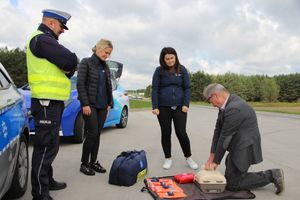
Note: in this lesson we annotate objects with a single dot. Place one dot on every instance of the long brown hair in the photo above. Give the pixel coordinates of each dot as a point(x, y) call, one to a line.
point(169, 50)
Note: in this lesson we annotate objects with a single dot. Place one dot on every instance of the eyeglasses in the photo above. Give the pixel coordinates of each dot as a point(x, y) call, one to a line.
point(210, 97)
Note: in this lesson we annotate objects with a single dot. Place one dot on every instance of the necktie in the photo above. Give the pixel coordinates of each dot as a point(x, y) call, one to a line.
point(221, 117)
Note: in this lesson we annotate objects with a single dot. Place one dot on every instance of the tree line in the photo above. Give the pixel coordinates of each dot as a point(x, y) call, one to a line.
point(259, 88)
point(256, 88)
point(14, 61)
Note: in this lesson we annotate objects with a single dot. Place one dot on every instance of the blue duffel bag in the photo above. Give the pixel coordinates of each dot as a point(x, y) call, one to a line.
point(128, 168)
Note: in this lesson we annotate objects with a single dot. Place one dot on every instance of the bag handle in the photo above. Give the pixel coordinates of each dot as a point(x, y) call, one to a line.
point(128, 153)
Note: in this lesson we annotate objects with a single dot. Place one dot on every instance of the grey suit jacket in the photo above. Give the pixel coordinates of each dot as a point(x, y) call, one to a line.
point(237, 131)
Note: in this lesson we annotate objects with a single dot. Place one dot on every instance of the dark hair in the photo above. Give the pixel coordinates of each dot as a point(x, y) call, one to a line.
point(169, 50)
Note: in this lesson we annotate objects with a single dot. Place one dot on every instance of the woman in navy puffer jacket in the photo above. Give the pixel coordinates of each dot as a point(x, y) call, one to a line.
point(170, 101)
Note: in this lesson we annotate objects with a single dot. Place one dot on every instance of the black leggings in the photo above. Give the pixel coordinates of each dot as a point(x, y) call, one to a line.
point(93, 127)
point(165, 117)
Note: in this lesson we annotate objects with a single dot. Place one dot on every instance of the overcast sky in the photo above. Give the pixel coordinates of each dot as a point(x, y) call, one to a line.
point(215, 36)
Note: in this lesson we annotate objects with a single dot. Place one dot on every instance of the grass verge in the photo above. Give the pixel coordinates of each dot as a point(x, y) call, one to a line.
point(140, 104)
point(278, 107)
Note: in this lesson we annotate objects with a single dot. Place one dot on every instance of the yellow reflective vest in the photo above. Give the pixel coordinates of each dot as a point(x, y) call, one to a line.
point(46, 80)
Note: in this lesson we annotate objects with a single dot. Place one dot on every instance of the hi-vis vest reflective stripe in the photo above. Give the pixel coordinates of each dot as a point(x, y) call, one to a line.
point(46, 80)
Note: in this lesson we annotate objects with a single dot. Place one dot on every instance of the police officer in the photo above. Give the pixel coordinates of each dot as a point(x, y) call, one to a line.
point(50, 66)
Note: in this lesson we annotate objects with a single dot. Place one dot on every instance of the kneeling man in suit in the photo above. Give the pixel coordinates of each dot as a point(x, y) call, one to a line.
point(237, 132)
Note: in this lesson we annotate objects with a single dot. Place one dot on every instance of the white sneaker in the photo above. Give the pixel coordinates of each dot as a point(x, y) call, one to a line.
point(192, 164)
point(167, 164)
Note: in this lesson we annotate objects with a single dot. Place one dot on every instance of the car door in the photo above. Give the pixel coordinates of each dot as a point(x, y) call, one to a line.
point(116, 69)
point(114, 112)
point(11, 120)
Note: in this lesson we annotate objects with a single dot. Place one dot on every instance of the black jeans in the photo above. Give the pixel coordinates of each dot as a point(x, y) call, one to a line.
point(93, 127)
point(45, 145)
point(165, 117)
point(237, 180)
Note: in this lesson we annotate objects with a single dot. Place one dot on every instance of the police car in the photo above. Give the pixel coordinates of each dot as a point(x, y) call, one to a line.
point(72, 124)
point(14, 135)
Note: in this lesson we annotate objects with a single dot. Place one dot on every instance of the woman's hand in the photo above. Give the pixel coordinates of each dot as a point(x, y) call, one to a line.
point(155, 112)
point(185, 109)
point(86, 110)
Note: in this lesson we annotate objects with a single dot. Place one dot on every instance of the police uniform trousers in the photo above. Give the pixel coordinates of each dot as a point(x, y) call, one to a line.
point(239, 180)
point(46, 144)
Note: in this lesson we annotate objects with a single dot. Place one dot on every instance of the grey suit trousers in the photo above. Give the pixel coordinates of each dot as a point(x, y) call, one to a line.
point(238, 180)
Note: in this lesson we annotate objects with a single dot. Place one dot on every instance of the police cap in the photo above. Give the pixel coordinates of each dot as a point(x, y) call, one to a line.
point(61, 16)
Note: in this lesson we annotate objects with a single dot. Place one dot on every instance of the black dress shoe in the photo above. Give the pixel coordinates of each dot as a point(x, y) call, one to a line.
point(48, 198)
point(278, 180)
point(87, 170)
point(97, 167)
point(43, 198)
point(54, 185)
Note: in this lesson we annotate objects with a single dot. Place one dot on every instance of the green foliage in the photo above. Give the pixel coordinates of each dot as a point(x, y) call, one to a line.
point(253, 88)
point(269, 90)
point(250, 88)
point(235, 84)
point(199, 81)
point(289, 87)
point(256, 84)
point(14, 62)
point(140, 90)
point(148, 91)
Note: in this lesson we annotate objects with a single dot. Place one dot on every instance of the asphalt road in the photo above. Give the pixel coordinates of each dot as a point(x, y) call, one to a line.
point(280, 142)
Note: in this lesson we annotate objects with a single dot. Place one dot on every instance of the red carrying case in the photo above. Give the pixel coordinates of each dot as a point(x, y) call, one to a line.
point(184, 178)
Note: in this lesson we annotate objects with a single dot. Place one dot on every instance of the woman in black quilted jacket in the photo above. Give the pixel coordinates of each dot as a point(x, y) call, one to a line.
point(95, 96)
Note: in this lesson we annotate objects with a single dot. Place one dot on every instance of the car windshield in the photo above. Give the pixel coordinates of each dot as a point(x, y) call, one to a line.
point(73, 81)
point(113, 80)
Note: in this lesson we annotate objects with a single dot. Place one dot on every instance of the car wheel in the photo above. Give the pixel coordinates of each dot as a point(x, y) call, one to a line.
point(78, 129)
point(123, 119)
point(20, 179)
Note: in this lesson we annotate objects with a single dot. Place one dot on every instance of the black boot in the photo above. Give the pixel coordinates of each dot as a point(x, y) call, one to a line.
point(278, 180)
point(97, 167)
point(87, 169)
point(55, 185)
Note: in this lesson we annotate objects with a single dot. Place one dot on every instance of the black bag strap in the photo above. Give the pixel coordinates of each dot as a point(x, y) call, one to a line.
point(128, 153)
point(147, 189)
